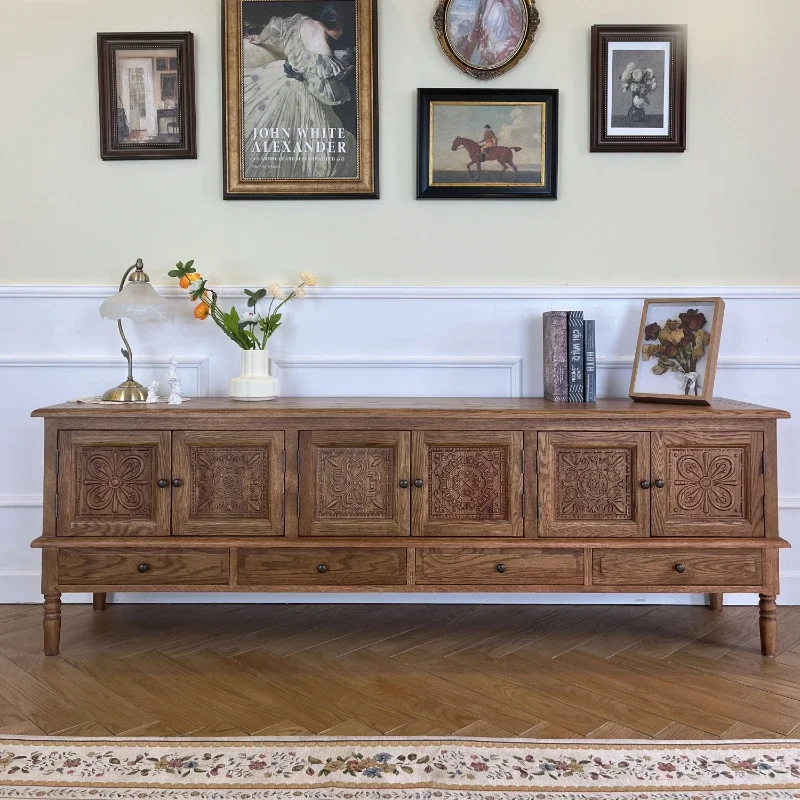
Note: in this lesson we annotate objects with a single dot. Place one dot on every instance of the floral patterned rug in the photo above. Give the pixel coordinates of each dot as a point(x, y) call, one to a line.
point(417, 768)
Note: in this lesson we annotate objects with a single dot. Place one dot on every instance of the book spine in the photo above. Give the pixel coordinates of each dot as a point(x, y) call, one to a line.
point(556, 372)
point(575, 334)
point(590, 360)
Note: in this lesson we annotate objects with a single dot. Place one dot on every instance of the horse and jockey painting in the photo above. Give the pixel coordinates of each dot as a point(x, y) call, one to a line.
point(487, 143)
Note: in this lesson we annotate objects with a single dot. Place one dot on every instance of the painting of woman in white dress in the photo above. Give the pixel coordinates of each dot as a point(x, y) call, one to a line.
point(486, 33)
point(299, 119)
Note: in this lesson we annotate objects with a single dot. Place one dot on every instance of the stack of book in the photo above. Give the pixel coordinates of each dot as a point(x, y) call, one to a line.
point(570, 358)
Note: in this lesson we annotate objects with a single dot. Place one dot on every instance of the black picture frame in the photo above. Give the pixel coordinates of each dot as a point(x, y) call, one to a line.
point(487, 184)
point(237, 184)
point(673, 139)
point(178, 138)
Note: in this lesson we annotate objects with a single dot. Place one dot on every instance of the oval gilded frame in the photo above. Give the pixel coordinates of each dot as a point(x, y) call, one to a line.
point(485, 73)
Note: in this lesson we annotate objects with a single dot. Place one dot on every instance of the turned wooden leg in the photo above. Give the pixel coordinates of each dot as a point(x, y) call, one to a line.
point(715, 601)
point(52, 623)
point(99, 601)
point(768, 624)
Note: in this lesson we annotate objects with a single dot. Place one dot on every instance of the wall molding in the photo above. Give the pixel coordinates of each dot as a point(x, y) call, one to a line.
point(732, 362)
point(200, 366)
point(442, 292)
point(512, 364)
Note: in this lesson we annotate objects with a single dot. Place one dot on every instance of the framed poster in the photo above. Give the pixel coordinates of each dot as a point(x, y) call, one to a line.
point(487, 143)
point(486, 38)
point(146, 95)
point(300, 86)
point(677, 350)
point(638, 92)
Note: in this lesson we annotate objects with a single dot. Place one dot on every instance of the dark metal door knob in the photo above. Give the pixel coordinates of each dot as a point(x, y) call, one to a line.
point(680, 568)
point(322, 569)
point(177, 483)
point(501, 568)
point(418, 483)
point(645, 484)
point(163, 483)
point(659, 484)
point(404, 484)
point(143, 568)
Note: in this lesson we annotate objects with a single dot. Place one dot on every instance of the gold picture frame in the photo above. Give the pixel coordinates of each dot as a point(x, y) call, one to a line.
point(242, 21)
point(463, 46)
point(677, 337)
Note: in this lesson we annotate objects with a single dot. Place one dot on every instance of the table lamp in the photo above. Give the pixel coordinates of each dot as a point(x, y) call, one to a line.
point(138, 301)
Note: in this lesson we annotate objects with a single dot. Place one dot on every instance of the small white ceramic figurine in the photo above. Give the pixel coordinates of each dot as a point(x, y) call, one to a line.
point(174, 382)
point(152, 392)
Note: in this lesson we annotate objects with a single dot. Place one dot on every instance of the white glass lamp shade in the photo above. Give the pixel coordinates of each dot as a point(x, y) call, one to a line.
point(138, 301)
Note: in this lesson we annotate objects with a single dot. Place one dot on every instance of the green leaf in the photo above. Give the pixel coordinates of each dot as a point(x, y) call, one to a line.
point(261, 293)
point(189, 264)
point(174, 273)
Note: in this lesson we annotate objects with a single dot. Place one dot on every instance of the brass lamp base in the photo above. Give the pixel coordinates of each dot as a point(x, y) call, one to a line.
point(127, 392)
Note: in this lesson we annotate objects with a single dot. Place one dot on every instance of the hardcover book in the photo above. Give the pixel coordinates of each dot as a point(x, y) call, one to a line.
point(556, 374)
point(590, 361)
point(575, 339)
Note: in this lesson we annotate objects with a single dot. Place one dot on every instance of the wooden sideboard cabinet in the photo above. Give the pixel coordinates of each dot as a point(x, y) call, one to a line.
point(410, 495)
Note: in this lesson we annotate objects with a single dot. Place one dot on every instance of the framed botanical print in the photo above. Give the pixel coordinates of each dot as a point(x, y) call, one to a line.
point(486, 38)
point(638, 91)
point(300, 84)
point(146, 95)
point(677, 351)
point(487, 143)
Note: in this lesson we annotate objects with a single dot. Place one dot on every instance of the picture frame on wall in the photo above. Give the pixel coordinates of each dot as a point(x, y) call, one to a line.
point(300, 99)
point(487, 143)
point(486, 38)
point(677, 351)
point(638, 88)
point(147, 99)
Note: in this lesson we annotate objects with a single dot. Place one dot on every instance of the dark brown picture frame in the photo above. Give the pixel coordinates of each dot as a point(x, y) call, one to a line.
point(709, 374)
point(111, 148)
point(511, 189)
point(675, 140)
point(236, 186)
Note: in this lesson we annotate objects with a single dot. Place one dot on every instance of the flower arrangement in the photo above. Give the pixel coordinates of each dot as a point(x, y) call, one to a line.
point(640, 83)
point(253, 329)
point(679, 346)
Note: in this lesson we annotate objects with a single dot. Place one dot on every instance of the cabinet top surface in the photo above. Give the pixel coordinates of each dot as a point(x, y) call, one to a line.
point(416, 406)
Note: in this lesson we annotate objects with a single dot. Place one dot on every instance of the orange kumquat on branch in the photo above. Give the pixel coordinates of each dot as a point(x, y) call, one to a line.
point(253, 329)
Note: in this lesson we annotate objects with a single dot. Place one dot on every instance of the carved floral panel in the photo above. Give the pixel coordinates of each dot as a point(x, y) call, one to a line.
point(594, 484)
point(229, 482)
point(355, 482)
point(115, 482)
point(707, 482)
point(469, 483)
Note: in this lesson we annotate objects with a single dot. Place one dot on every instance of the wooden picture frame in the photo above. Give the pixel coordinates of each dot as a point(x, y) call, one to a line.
point(265, 155)
point(136, 123)
point(462, 43)
point(644, 66)
point(449, 159)
point(678, 338)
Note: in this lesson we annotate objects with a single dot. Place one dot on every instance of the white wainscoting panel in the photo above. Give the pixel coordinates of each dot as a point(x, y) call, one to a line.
point(373, 341)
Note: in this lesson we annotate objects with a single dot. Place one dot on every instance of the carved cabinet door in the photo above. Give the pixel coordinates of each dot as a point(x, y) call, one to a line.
point(227, 483)
point(108, 483)
point(594, 484)
point(708, 484)
point(354, 483)
point(467, 483)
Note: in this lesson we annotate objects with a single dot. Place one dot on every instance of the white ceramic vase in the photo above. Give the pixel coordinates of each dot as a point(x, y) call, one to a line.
point(255, 382)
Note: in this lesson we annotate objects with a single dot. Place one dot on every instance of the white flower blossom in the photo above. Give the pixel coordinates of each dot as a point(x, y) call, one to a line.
point(637, 75)
point(636, 88)
point(631, 66)
point(649, 73)
point(196, 286)
point(276, 291)
point(626, 76)
point(653, 85)
point(250, 317)
point(300, 292)
point(638, 102)
point(309, 279)
point(626, 87)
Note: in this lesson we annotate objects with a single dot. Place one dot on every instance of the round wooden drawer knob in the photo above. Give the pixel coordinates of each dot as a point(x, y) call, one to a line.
point(501, 568)
point(163, 483)
point(322, 569)
point(680, 568)
point(660, 484)
point(143, 568)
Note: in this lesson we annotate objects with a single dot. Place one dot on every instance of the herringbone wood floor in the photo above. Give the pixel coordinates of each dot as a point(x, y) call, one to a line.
point(667, 672)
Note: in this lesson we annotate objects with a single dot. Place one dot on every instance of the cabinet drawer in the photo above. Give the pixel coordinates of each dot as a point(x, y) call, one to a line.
point(677, 568)
point(145, 567)
point(499, 566)
point(304, 567)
